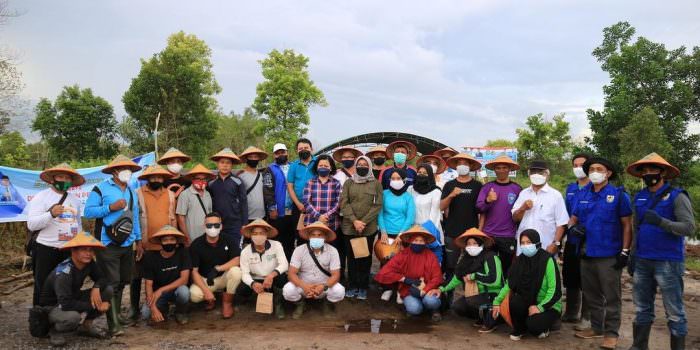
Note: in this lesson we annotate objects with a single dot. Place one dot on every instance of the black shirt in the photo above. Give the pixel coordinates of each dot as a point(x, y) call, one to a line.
point(163, 271)
point(205, 256)
point(463, 213)
point(62, 287)
point(230, 200)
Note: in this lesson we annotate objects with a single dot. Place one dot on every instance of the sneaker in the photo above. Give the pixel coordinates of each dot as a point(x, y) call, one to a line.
point(543, 335)
point(484, 329)
point(351, 293)
point(362, 294)
point(609, 343)
point(478, 324)
point(386, 295)
point(582, 325)
point(588, 334)
point(399, 299)
point(515, 337)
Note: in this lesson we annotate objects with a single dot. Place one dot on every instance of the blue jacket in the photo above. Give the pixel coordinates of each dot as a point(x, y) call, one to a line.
point(601, 213)
point(653, 242)
point(97, 206)
point(279, 182)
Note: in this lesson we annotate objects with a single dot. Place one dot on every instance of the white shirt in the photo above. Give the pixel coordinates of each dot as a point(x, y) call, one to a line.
point(428, 208)
point(328, 258)
point(53, 232)
point(256, 266)
point(548, 212)
point(341, 177)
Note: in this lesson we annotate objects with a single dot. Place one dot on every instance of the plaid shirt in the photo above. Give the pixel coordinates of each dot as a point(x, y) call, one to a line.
point(320, 198)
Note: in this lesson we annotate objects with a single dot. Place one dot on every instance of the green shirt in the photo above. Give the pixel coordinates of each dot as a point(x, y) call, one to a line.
point(488, 280)
point(546, 293)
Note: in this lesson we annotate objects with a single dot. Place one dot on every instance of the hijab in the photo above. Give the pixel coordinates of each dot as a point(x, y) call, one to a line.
point(527, 273)
point(428, 185)
point(468, 264)
point(402, 172)
point(362, 179)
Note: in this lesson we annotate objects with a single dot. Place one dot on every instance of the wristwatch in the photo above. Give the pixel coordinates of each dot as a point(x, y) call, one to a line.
point(325, 287)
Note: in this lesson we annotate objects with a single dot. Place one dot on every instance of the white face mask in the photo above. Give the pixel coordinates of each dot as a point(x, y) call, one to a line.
point(596, 178)
point(175, 168)
point(474, 251)
point(579, 173)
point(212, 232)
point(124, 176)
point(537, 179)
point(396, 184)
point(435, 168)
point(462, 170)
point(258, 239)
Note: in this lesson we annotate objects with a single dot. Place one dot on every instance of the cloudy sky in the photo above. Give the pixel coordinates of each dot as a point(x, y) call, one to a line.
point(461, 72)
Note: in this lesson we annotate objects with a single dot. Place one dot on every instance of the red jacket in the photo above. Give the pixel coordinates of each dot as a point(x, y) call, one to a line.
point(411, 265)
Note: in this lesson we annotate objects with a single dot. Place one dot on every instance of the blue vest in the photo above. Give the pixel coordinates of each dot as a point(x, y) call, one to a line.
point(600, 214)
point(572, 190)
point(653, 242)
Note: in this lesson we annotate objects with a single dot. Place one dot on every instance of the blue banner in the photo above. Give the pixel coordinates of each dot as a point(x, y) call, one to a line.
point(18, 186)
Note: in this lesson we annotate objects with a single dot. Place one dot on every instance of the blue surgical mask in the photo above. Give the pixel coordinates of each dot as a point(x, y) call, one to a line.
point(323, 172)
point(399, 158)
point(529, 250)
point(316, 243)
point(417, 248)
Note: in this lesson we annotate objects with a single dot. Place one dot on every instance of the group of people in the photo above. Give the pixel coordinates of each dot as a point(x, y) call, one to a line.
point(300, 230)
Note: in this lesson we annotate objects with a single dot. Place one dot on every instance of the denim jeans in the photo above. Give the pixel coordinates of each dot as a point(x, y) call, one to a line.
point(414, 306)
point(668, 276)
point(180, 296)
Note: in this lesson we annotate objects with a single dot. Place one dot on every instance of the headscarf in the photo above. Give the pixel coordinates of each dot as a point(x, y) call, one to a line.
point(468, 264)
point(402, 172)
point(429, 186)
point(362, 179)
point(527, 273)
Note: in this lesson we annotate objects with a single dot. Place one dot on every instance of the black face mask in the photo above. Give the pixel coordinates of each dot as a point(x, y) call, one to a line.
point(304, 155)
point(379, 161)
point(169, 247)
point(422, 179)
point(252, 163)
point(651, 179)
point(362, 171)
point(281, 160)
point(348, 163)
point(155, 185)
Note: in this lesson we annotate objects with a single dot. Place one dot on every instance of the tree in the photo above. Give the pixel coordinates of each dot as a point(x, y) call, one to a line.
point(238, 131)
point(13, 150)
point(285, 96)
point(642, 136)
point(178, 83)
point(546, 140)
point(500, 143)
point(646, 74)
point(10, 77)
point(79, 125)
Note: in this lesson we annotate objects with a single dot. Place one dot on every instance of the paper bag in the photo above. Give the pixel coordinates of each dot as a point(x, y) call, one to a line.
point(264, 304)
point(359, 247)
point(470, 288)
point(300, 223)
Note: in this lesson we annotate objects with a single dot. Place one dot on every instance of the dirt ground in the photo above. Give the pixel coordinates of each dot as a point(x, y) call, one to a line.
point(248, 330)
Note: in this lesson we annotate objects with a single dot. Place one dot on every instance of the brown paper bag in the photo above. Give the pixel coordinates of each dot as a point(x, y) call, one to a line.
point(264, 303)
point(470, 288)
point(359, 247)
point(300, 223)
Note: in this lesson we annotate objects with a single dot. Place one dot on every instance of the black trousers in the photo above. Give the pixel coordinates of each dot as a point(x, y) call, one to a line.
point(571, 271)
point(117, 263)
point(287, 228)
point(535, 324)
point(340, 246)
point(505, 249)
point(358, 269)
point(246, 292)
point(44, 260)
point(469, 307)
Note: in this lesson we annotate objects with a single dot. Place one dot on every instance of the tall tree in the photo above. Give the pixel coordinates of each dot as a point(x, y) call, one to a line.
point(178, 83)
point(646, 74)
point(284, 97)
point(13, 150)
point(10, 76)
point(642, 136)
point(544, 139)
point(239, 131)
point(79, 125)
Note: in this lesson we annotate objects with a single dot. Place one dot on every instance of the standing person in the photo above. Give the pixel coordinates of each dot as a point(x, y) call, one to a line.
point(157, 208)
point(53, 218)
point(664, 217)
point(438, 165)
point(360, 203)
point(445, 154)
point(459, 202)
point(534, 289)
point(378, 156)
point(300, 172)
point(277, 201)
point(426, 197)
point(604, 213)
point(228, 195)
point(167, 273)
point(542, 208)
point(253, 180)
point(116, 204)
point(495, 203)
point(194, 203)
point(571, 270)
point(345, 156)
point(173, 160)
point(401, 152)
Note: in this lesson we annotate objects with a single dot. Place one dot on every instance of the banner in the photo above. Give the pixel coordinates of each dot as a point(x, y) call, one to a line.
point(18, 186)
point(484, 154)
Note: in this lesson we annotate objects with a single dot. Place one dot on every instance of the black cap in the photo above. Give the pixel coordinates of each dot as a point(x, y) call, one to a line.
point(538, 164)
point(602, 161)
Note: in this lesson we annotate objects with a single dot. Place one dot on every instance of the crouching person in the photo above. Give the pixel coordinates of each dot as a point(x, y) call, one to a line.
point(215, 266)
point(166, 273)
point(73, 309)
point(314, 271)
point(263, 264)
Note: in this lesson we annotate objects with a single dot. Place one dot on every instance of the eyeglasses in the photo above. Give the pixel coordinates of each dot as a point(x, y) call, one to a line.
point(217, 225)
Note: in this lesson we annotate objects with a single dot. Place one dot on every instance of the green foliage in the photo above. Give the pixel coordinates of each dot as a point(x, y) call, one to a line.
point(178, 83)
point(284, 97)
point(13, 150)
point(500, 143)
point(547, 140)
point(646, 74)
point(239, 131)
point(643, 135)
point(78, 125)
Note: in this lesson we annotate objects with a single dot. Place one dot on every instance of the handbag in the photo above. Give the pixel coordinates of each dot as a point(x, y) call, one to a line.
point(122, 228)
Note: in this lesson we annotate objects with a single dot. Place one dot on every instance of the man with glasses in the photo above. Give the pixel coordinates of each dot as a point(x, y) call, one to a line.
point(194, 203)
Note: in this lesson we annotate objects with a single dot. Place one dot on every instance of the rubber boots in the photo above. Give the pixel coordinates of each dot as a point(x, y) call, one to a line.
point(115, 328)
point(640, 335)
point(573, 305)
point(124, 321)
point(677, 343)
point(227, 305)
point(278, 300)
point(299, 309)
point(134, 298)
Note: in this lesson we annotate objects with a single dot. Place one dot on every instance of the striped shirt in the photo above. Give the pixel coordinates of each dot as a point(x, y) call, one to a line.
point(322, 198)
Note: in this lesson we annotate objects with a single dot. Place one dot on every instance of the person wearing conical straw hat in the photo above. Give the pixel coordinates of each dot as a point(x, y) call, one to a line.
point(480, 265)
point(116, 204)
point(378, 156)
point(447, 153)
point(263, 264)
point(664, 217)
point(346, 156)
point(63, 294)
point(314, 271)
point(228, 195)
point(252, 178)
point(437, 165)
point(167, 273)
point(173, 160)
point(53, 216)
point(194, 203)
point(417, 273)
point(495, 202)
point(401, 152)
